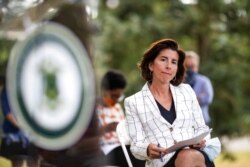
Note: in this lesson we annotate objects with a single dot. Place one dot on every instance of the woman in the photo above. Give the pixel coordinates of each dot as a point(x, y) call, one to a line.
point(110, 113)
point(165, 111)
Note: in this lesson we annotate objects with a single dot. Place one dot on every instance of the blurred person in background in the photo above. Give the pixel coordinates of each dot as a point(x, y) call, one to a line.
point(200, 83)
point(110, 113)
point(14, 145)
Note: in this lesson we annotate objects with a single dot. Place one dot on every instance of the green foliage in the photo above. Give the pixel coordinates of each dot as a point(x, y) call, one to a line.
point(218, 31)
point(5, 48)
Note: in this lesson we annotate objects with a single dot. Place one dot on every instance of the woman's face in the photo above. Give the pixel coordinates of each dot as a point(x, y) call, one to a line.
point(165, 66)
point(111, 97)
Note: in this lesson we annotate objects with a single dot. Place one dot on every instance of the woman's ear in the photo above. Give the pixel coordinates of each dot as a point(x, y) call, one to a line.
point(150, 66)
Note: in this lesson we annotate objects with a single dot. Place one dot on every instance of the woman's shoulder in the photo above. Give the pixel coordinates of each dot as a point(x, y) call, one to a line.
point(138, 94)
point(134, 96)
point(183, 86)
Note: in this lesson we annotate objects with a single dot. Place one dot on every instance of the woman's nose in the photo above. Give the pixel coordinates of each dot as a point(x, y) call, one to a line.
point(168, 65)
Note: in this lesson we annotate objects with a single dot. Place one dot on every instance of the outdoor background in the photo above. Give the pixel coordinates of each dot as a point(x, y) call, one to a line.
point(218, 30)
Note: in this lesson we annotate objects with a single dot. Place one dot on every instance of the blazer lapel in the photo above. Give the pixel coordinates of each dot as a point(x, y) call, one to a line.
point(178, 101)
point(150, 103)
point(174, 95)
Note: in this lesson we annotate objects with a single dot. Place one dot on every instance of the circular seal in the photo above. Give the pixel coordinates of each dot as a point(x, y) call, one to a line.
point(51, 86)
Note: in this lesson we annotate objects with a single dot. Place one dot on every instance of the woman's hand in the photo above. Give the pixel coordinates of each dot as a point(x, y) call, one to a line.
point(155, 152)
point(200, 145)
point(111, 127)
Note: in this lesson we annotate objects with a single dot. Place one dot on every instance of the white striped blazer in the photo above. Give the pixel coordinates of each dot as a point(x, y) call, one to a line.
point(146, 125)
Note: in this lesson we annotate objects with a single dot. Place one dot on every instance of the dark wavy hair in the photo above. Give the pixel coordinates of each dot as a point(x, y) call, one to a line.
point(153, 51)
point(113, 79)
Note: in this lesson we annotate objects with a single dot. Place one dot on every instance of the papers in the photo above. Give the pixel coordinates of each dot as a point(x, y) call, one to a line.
point(188, 142)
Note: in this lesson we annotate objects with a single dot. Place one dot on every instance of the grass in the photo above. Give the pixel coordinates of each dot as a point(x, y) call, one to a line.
point(235, 159)
point(4, 162)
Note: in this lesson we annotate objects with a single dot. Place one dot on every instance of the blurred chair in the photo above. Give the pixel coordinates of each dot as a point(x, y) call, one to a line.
point(124, 139)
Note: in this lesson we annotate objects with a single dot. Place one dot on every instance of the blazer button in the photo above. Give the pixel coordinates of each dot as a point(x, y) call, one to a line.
point(171, 129)
point(175, 142)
